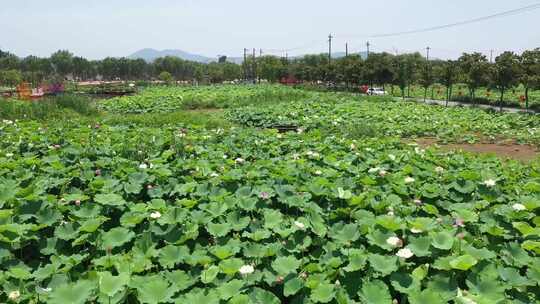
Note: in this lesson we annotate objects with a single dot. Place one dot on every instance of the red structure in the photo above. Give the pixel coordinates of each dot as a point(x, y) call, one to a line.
point(364, 89)
point(289, 80)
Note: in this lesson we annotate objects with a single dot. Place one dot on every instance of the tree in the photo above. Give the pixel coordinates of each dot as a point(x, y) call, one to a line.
point(165, 76)
point(62, 62)
point(505, 73)
point(475, 69)
point(402, 79)
point(10, 78)
point(448, 74)
point(426, 78)
point(530, 72)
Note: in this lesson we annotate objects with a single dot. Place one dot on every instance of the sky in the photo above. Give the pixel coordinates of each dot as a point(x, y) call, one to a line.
point(100, 28)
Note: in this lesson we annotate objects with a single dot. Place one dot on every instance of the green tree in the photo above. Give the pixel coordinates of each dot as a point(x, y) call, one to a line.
point(166, 77)
point(426, 77)
point(530, 72)
point(62, 62)
point(475, 69)
point(448, 74)
point(10, 78)
point(505, 73)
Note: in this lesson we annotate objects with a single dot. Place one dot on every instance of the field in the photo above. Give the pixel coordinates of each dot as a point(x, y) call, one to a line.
point(192, 195)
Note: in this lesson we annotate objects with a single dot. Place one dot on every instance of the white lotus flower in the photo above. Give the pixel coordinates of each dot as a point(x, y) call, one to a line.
point(392, 157)
point(416, 230)
point(318, 172)
point(299, 225)
point(9, 154)
point(214, 174)
point(14, 295)
point(239, 160)
point(461, 296)
point(405, 253)
point(373, 170)
point(519, 207)
point(143, 166)
point(394, 241)
point(353, 146)
point(155, 215)
point(246, 269)
point(490, 182)
point(7, 122)
point(382, 173)
point(439, 170)
point(409, 180)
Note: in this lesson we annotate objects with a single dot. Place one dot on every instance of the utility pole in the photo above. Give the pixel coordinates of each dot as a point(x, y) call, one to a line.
point(245, 64)
point(346, 49)
point(490, 56)
point(367, 45)
point(254, 67)
point(427, 53)
point(330, 48)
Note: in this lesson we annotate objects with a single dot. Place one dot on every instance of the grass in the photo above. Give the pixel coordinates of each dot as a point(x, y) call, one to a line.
point(202, 118)
point(57, 107)
point(83, 110)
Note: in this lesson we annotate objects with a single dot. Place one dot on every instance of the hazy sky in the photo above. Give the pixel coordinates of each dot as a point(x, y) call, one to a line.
point(100, 28)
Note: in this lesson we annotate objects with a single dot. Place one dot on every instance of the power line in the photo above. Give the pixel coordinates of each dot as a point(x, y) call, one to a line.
point(460, 23)
point(428, 29)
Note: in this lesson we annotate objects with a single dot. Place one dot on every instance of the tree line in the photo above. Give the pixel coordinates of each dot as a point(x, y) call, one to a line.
point(472, 69)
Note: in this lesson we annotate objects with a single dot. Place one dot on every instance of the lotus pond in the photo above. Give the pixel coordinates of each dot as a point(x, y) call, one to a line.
point(99, 212)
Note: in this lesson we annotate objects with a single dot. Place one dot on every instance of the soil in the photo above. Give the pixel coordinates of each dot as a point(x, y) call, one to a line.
point(506, 150)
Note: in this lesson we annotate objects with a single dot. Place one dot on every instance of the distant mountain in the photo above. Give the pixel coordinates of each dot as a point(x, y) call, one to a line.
point(150, 55)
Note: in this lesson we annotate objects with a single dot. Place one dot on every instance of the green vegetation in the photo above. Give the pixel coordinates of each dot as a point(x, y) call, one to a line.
point(386, 117)
point(169, 99)
point(182, 206)
point(49, 108)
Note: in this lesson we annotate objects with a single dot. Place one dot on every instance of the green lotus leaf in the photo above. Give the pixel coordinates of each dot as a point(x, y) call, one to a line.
point(209, 274)
point(230, 266)
point(292, 286)
point(218, 230)
point(153, 290)
point(463, 262)
point(323, 293)
point(383, 264)
point(420, 245)
point(443, 240)
point(110, 199)
point(286, 265)
point(74, 293)
point(261, 296)
point(230, 289)
point(116, 237)
point(375, 292)
point(171, 255)
point(110, 284)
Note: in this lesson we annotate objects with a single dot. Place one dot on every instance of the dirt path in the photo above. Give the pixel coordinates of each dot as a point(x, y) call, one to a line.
point(512, 150)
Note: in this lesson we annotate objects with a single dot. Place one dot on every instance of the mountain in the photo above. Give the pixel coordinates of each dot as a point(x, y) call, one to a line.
point(152, 54)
